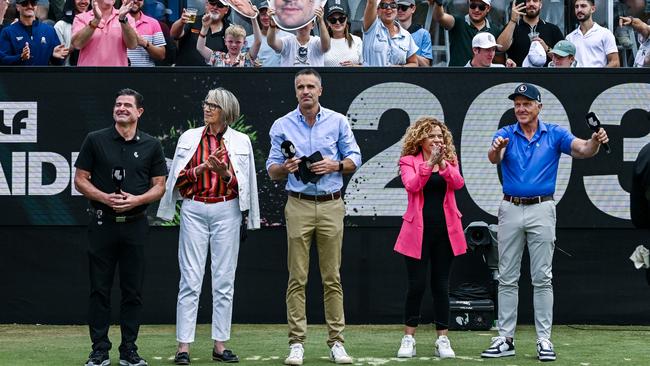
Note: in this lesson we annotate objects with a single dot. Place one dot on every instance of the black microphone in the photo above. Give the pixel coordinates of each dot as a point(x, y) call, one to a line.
point(594, 124)
point(118, 178)
point(289, 151)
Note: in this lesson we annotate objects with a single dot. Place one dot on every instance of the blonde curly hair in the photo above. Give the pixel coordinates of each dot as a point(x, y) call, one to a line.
point(420, 130)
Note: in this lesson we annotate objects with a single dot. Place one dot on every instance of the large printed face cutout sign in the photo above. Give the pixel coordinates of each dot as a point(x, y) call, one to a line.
point(294, 14)
point(243, 7)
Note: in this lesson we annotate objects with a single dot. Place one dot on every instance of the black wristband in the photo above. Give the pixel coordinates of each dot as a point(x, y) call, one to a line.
point(340, 166)
point(122, 20)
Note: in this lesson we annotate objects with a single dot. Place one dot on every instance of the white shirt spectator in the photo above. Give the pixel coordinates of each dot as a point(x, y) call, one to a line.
point(380, 49)
point(64, 31)
point(642, 58)
point(592, 48)
point(295, 54)
point(340, 51)
point(266, 55)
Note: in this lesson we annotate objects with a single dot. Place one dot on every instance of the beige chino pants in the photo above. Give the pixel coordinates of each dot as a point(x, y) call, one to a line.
point(324, 221)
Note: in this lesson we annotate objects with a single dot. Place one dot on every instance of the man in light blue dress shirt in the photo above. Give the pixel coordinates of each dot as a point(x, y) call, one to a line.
point(314, 209)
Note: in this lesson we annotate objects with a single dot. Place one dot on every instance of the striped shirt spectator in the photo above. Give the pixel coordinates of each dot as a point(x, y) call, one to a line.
point(208, 184)
point(151, 41)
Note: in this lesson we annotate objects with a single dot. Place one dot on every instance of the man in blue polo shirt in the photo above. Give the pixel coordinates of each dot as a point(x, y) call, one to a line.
point(529, 167)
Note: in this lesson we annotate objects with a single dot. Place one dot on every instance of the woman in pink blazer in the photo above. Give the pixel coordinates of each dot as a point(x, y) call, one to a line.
point(431, 230)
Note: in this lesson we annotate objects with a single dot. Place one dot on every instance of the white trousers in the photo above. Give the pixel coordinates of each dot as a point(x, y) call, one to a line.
point(212, 227)
point(520, 226)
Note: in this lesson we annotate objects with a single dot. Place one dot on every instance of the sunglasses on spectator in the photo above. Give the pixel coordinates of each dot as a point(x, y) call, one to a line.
point(403, 7)
point(210, 106)
point(218, 4)
point(480, 7)
point(386, 6)
point(334, 20)
point(25, 2)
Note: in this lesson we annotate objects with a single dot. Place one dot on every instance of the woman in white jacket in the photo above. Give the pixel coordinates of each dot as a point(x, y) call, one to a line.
point(213, 172)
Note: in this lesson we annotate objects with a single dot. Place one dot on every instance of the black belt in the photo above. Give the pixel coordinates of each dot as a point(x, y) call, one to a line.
point(105, 214)
point(526, 200)
point(324, 197)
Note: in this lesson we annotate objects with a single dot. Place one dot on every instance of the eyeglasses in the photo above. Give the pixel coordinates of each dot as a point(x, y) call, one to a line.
point(480, 7)
point(210, 106)
point(25, 2)
point(386, 6)
point(334, 20)
point(403, 7)
point(218, 4)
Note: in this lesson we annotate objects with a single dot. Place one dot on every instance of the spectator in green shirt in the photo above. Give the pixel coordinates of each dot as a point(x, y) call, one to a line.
point(463, 28)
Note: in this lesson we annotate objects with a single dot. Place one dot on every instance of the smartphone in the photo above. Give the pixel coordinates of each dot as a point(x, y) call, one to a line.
point(517, 2)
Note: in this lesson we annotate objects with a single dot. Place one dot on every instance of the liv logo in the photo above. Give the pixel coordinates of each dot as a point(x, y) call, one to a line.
point(18, 122)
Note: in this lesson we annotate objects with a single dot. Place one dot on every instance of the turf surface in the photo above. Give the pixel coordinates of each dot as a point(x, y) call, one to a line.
point(375, 345)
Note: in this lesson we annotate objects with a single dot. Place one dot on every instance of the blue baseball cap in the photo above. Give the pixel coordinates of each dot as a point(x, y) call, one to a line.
point(526, 90)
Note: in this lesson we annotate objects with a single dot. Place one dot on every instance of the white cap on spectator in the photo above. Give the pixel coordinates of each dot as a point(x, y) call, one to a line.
point(488, 2)
point(484, 40)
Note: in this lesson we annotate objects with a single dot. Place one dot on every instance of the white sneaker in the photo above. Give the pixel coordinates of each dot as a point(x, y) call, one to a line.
point(545, 350)
point(500, 347)
point(407, 348)
point(296, 353)
point(443, 348)
point(338, 354)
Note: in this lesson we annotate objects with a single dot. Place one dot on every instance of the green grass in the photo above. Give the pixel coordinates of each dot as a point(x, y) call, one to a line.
point(375, 345)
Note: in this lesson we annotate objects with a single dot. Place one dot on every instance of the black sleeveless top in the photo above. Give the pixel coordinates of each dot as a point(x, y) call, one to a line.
point(434, 195)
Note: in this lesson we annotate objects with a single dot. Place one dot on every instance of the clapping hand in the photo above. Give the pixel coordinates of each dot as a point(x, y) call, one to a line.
point(96, 12)
point(437, 155)
point(60, 52)
point(124, 9)
point(25, 54)
point(216, 162)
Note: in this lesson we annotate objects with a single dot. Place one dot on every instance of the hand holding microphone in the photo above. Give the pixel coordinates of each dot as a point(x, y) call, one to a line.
point(289, 152)
point(594, 124)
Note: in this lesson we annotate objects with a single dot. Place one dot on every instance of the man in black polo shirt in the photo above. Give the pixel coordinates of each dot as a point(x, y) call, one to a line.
point(462, 29)
point(520, 31)
point(118, 227)
point(188, 33)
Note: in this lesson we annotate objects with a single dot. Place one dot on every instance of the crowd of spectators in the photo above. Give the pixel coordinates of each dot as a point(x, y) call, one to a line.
point(126, 33)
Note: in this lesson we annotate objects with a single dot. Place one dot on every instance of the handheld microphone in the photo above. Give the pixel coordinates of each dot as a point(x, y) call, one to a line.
point(594, 124)
point(289, 151)
point(118, 178)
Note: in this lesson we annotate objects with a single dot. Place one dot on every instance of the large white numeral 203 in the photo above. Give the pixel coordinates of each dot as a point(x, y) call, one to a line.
point(366, 193)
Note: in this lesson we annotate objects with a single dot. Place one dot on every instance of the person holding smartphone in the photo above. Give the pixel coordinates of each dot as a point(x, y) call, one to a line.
point(525, 27)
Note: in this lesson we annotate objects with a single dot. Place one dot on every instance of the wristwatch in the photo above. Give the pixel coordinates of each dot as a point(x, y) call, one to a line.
point(340, 166)
point(122, 20)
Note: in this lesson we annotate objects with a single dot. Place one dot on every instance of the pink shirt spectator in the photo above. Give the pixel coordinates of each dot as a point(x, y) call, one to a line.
point(106, 46)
